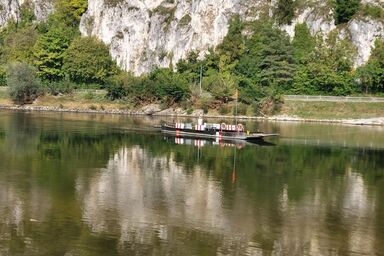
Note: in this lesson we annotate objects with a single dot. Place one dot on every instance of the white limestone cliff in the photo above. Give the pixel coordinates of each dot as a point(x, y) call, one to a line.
point(10, 9)
point(143, 34)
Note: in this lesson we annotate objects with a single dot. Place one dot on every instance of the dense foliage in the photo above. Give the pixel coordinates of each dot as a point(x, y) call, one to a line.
point(285, 11)
point(49, 53)
point(345, 9)
point(256, 62)
point(24, 86)
point(160, 85)
point(87, 60)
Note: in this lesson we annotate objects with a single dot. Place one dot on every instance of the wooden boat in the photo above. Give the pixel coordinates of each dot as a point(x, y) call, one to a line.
point(216, 131)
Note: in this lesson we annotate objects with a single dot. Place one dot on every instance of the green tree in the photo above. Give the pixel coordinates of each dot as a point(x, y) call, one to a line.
point(49, 52)
point(345, 9)
point(24, 86)
point(285, 11)
point(371, 75)
point(328, 70)
point(269, 60)
point(169, 87)
point(18, 46)
point(69, 12)
point(87, 60)
point(233, 45)
point(303, 43)
point(222, 85)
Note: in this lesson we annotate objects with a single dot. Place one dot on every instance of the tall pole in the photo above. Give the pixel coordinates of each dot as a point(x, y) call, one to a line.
point(201, 78)
point(237, 96)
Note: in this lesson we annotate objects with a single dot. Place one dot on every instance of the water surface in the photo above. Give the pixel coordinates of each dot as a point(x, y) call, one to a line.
point(74, 184)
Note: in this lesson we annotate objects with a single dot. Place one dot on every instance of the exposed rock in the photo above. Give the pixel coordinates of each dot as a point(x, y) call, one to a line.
point(143, 34)
point(10, 9)
point(151, 109)
point(42, 8)
point(363, 34)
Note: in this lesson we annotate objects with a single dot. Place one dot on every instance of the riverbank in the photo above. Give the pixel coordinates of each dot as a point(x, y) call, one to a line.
point(378, 121)
point(94, 102)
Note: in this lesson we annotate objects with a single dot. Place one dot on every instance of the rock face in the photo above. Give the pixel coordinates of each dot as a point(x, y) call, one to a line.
point(10, 9)
point(143, 34)
point(147, 33)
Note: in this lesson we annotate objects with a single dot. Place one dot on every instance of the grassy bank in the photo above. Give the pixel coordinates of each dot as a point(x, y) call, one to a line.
point(96, 100)
point(333, 110)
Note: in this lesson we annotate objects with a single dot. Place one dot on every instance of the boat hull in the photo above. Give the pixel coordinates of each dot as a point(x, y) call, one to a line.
point(225, 135)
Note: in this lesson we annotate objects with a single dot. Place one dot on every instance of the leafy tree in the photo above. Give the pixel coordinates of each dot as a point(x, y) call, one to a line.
point(371, 75)
point(190, 67)
point(49, 52)
point(345, 9)
point(169, 87)
point(18, 46)
point(233, 45)
point(160, 85)
point(222, 85)
point(285, 11)
point(87, 60)
point(328, 69)
point(269, 60)
point(319, 78)
point(69, 12)
point(303, 43)
point(24, 86)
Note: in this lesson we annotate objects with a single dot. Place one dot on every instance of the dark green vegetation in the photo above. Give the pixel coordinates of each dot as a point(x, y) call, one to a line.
point(285, 11)
point(256, 61)
point(345, 9)
point(98, 190)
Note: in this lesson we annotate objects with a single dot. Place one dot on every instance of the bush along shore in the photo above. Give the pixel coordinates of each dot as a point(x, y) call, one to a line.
point(94, 102)
point(54, 68)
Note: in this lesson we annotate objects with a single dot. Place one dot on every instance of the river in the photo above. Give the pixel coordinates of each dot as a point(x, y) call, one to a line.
point(78, 184)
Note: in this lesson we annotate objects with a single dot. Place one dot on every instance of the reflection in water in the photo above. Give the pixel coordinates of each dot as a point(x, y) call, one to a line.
point(77, 187)
point(154, 196)
point(151, 198)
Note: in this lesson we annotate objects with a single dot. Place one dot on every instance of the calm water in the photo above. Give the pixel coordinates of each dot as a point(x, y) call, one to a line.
point(86, 185)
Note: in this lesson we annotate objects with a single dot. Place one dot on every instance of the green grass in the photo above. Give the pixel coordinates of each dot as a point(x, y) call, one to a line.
point(333, 110)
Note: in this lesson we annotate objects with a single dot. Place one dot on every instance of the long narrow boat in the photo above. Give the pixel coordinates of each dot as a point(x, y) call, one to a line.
point(216, 131)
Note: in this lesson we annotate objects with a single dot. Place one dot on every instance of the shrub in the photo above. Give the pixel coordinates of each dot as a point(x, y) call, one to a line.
point(60, 87)
point(24, 86)
point(225, 109)
point(118, 86)
point(241, 109)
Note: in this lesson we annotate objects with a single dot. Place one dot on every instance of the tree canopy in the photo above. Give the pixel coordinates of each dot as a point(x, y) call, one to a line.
point(87, 60)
